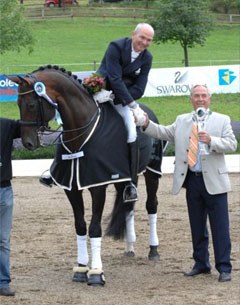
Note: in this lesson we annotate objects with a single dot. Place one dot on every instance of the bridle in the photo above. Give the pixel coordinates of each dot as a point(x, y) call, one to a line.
point(42, 125)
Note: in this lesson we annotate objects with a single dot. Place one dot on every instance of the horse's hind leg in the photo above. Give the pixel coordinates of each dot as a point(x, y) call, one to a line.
point(80, 271)
point(130, 235)
point(152, 183)
point(129, 232)
point(121, 224)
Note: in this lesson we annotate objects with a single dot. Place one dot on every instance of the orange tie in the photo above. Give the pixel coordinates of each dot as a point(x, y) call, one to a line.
point(193, 146)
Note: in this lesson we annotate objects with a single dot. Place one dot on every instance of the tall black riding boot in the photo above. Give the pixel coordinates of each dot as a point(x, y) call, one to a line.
point(130, 191)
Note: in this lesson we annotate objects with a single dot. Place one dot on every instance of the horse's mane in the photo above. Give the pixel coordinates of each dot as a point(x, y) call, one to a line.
point(61, 70)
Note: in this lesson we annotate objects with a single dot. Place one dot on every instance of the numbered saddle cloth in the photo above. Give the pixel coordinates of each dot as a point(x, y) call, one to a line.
point(103, 159)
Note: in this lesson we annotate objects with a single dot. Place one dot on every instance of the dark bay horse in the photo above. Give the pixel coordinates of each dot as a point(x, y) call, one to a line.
point(92, 153)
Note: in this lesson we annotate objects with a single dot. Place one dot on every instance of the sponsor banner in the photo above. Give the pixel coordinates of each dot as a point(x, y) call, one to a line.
point(8, 90)
point(164, 82)
point(179, 81)
point(83, 74)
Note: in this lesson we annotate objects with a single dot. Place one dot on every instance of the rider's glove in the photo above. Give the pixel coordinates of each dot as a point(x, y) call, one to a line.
point(103, 96)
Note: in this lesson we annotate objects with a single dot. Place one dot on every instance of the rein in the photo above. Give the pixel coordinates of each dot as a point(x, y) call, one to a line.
point(26, 92)
point(80, 128)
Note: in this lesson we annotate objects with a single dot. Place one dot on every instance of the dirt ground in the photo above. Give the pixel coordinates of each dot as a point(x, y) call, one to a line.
point(44, 253)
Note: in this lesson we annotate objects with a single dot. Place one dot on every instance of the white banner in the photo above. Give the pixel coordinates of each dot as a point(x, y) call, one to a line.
point(178, 81)
point(165, 81)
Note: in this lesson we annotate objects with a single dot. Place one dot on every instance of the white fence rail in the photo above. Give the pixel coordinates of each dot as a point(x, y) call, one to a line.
point(42, 12)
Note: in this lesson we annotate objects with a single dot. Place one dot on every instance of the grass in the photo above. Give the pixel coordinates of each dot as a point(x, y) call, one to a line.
point(78, 44)
point(165, 108)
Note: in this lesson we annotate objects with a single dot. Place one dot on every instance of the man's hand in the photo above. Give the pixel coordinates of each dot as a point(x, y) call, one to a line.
point(103, 96)
point(139, 115)
point(204, 137)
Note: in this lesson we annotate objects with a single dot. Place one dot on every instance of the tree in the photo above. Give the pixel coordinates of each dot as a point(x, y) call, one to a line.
point(223, 6)
point(15, 30)
point(184, 21)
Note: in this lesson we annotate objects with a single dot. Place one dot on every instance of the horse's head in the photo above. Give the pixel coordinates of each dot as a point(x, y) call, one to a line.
point(35, 110)
point(47, 89)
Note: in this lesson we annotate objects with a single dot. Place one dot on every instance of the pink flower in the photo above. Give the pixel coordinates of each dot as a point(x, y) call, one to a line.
point(94, 83)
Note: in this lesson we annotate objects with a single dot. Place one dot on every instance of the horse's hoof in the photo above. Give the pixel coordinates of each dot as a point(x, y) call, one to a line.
point(129, 253)
point(153, 254)
point(155, 258)
point(80, 277)
point(80, 274)
point(95, 278)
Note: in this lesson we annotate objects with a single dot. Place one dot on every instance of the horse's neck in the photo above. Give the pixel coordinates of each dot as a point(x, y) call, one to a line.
point(78, 118)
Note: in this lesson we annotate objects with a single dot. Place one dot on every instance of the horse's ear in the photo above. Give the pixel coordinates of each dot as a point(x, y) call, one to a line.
point(27, 78)
point(18, 79)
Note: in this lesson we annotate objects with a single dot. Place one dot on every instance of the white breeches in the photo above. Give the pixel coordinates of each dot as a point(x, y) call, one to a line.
point(128, 119)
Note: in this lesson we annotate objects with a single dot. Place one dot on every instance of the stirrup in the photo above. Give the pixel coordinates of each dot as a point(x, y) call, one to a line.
point(130, 193)
point(46, 179)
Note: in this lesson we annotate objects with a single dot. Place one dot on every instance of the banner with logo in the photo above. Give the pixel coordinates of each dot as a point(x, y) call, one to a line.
point(165, 81)
point(8, 90)
point(178, 81)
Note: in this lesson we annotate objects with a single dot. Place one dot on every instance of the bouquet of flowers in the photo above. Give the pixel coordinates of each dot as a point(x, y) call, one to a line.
point(94, 83)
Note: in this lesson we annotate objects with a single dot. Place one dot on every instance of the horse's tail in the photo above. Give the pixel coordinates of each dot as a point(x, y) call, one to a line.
point(117, 224)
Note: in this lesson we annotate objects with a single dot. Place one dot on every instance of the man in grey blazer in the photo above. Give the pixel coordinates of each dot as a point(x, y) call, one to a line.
point(206, 183)
point(125, 67)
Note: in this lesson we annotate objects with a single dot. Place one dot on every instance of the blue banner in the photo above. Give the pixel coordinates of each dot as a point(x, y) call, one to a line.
point(8, 90)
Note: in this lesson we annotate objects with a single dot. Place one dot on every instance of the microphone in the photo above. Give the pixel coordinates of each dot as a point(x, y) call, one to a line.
point(200, 112)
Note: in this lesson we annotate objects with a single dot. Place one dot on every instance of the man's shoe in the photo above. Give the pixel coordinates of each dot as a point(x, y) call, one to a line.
point(196, 271)
point(46, 181)
point(130, 193)
point(224, 277)
point(7, 291)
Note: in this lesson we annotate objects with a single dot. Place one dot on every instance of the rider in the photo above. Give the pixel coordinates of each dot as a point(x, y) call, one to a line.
point(125, 67)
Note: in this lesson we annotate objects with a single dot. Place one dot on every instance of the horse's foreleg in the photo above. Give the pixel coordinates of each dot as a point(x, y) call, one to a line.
point(80, 271)
point(152, 183)
point(95, 274)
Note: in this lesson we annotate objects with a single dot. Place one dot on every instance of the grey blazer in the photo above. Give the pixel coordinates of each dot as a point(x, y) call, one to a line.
point(215, 173)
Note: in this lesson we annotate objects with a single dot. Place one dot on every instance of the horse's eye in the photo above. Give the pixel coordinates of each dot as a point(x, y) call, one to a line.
point(31, 106)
